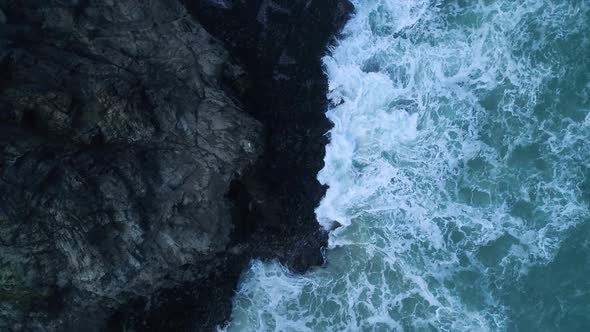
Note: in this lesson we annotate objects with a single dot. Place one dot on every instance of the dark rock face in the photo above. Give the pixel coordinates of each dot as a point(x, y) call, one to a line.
point(280, 43)
point(142, 165)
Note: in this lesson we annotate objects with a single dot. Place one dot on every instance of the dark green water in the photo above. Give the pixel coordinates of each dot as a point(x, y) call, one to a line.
point(459, 165)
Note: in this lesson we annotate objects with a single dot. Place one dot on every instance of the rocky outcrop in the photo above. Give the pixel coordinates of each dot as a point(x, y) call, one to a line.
point(142, 164)
point(280, 43)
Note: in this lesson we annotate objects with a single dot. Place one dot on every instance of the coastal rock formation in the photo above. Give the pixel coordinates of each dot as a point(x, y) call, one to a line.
point(280, 43)
point(143, 163)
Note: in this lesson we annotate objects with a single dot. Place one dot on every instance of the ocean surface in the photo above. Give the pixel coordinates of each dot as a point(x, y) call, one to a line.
point(459, 169)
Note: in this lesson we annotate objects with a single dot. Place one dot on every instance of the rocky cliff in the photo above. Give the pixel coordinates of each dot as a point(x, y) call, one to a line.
point(149, 150)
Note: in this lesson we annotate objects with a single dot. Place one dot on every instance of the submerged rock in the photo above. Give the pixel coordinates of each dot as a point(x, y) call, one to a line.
point(142, 165)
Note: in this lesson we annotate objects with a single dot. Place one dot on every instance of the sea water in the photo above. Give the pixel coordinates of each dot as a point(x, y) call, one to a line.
point(459, 169)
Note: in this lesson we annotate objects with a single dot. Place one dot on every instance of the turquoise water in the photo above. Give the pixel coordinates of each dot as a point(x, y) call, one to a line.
point(459, 167)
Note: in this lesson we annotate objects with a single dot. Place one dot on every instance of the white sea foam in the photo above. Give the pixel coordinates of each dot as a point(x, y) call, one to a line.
point(447, 176)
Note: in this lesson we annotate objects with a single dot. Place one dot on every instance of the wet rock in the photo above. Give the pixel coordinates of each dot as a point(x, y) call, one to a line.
point(281, 44)
point(148, 152)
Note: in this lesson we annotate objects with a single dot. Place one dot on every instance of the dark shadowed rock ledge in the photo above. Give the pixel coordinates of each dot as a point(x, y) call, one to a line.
point(149, 149)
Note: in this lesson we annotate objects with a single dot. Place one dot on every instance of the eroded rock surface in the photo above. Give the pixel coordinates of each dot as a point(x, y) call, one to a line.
point(118, 145)
point(143, 163)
